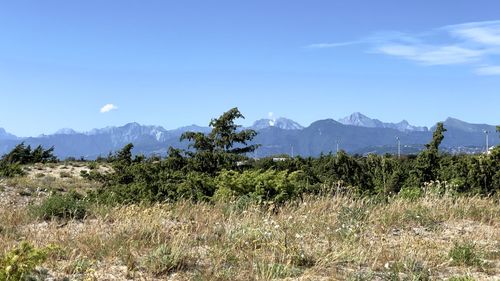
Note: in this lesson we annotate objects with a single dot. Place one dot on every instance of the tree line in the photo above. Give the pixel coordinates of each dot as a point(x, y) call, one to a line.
point(216, 166)
point(21, 154)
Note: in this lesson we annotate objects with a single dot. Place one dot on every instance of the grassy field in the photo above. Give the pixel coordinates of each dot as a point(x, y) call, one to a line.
point(319, 238)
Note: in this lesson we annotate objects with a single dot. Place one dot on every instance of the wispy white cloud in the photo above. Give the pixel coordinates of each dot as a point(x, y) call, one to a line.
point(432, 55)
point(333, 45)
point(108, 107)
point(488, 70)
point(474, 44)
point(487, 33)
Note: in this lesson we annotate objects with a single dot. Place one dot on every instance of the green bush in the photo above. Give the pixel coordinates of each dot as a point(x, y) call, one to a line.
point(411, 193)
point(10, 170)
point(71, 205)
point(270, 185)
point(21, 262)
point(64, 174)
point(465, 253)
point(92, 165)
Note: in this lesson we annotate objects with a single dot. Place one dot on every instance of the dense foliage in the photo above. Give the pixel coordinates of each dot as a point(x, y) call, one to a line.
point(213, 169)
point(216, 167)
point(21, 155)
point(61, 206)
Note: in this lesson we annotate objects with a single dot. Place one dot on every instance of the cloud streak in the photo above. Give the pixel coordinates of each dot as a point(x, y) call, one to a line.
point(474, 44)
point(108, 107)
point(432, 55)
point(488, 70)
point(485, 33)
point(333, 45)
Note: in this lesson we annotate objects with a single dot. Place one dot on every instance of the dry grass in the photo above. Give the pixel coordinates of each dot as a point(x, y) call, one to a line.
point(328, 238)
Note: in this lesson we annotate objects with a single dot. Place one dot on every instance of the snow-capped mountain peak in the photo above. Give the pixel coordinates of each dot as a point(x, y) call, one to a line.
point(282, 123)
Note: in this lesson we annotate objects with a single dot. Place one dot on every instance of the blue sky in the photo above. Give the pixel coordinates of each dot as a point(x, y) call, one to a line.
point(174, 63)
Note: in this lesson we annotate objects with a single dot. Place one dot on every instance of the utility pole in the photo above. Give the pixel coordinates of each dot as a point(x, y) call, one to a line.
point(486, 132)
point(338, 141)
point(292, 150)
point(399, 147)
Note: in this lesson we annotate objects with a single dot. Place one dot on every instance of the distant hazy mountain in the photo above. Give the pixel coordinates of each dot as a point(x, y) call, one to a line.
point(65, 131)
point(6, 136)
point(360, 120)
point(132, 132)
point(281, 123)
point(467, 127)
point(360, 135)
point(191, 128)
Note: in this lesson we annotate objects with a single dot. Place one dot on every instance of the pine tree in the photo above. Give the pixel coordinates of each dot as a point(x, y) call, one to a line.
point(222, 146)
point(427, 162)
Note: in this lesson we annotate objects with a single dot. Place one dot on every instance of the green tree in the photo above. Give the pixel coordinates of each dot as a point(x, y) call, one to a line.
point(223, 146)
point(437, 138)
point(22, 154)
point(122, 164)
point(427, 163)
point(224, 135)
point(124, 156)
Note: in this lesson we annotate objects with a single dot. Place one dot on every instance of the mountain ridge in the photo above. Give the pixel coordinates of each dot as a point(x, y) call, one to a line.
point(361, 120)
point(4, 135)
point(281, 122)
point(284, 136)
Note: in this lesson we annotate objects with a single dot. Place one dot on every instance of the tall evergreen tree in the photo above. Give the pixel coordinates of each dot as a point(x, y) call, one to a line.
point(223, 145)
point(224, 136)
point(427, 162)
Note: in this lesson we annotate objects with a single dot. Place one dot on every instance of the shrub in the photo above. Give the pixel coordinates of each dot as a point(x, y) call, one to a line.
point(93, 175)
point(64, 174)
point(411, 269)
point(270, 185)
point(164, 260)
point(71, 205)
point(10, 170)
point(92, 165)
point(411, 193)
point(21, 262)
point(465, 253)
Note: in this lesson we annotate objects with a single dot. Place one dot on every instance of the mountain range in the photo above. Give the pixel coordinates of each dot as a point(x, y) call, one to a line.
point(356, 133)
point(358, 119)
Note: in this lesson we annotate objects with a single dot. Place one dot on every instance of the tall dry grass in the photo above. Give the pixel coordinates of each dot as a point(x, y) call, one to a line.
point(320, 238)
